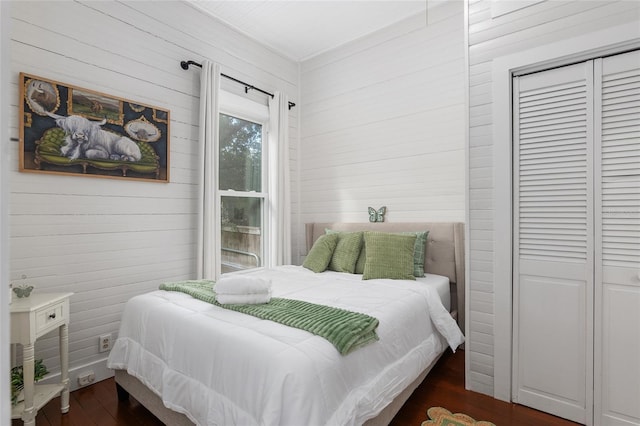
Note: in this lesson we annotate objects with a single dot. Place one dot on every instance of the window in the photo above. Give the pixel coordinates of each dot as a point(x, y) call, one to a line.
point(243, 191)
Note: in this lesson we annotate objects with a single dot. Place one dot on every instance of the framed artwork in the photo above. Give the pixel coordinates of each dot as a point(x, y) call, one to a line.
point(70, 130)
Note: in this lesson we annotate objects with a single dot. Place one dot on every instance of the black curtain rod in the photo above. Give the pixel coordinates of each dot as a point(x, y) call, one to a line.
point(185, 66)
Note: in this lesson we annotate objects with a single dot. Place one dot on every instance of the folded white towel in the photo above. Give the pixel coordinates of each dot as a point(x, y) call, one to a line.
point(243, 299)
point(242, 284)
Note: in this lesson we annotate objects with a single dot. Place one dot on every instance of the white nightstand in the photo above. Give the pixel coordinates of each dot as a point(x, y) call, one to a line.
point(31, 318)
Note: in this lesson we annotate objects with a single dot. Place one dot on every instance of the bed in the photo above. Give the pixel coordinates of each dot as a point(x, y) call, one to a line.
point(189, 362)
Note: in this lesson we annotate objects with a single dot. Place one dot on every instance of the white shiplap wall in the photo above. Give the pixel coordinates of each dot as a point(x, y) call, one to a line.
point(492, 35)
point(382, 123)
point(5, 297)
point(107, 239)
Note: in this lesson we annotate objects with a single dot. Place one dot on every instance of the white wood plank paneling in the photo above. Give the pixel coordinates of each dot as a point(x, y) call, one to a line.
point(107, 240)
point(490, 39)
point(5, 296)
point(383, 123)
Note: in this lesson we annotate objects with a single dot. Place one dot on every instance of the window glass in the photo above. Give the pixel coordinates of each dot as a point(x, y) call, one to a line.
point(241, 233)
point(240, 154)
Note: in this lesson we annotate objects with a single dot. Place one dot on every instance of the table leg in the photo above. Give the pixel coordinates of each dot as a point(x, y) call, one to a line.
point(64, 368)
point(28, 365)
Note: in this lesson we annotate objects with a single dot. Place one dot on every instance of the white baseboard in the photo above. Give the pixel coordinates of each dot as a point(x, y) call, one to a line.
point(98, 367)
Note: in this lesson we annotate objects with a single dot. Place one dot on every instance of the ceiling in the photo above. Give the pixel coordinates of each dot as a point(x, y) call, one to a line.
point(301, 29)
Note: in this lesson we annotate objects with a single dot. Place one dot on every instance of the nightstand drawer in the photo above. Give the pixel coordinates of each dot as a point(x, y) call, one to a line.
point(50, 317)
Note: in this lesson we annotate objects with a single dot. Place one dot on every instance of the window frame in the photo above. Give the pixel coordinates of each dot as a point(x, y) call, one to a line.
point(248, 110)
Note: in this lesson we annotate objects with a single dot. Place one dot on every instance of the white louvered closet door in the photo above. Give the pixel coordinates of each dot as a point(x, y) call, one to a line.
point(577, 241)
point(617, 277)
point(553, 241)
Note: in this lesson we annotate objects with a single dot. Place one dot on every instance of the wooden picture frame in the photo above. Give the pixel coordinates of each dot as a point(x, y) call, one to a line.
point(65, 129)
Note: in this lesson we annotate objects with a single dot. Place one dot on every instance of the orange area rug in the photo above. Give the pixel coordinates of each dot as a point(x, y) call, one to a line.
point(442, 417)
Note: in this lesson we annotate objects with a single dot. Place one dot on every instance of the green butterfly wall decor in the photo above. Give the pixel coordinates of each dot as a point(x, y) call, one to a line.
point(23, 291)
point(377, 215)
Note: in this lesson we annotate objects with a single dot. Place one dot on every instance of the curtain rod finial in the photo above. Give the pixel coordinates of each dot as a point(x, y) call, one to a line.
point(186, 64)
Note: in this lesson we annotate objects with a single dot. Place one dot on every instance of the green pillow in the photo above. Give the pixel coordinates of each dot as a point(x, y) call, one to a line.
point(347, 251)
point(320, 254)
point(389, 256)
point(418, 251)
point(362, 260)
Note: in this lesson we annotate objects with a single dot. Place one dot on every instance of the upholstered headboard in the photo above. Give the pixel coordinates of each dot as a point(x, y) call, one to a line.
point(444, 254)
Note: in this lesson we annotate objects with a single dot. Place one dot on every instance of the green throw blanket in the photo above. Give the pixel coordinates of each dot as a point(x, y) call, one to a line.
point(346, 330)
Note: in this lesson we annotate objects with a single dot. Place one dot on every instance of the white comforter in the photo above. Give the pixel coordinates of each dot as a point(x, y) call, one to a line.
point(221, 367)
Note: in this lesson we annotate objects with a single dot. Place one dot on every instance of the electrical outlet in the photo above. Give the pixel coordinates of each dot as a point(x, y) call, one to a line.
point(86, 378)
point(105, 342)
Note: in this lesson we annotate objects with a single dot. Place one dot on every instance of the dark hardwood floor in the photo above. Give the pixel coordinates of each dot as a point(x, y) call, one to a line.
point(444, 387)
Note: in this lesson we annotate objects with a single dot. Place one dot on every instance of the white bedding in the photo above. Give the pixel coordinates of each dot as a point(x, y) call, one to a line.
point(442, 286)
point(221, 367)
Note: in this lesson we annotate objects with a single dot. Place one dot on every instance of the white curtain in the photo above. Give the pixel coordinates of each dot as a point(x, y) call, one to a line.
point(280, 228)
point(208, 220)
